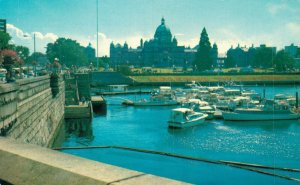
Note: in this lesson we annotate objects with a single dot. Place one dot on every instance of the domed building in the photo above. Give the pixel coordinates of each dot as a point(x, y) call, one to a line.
point(161, 51)
point(163, 33)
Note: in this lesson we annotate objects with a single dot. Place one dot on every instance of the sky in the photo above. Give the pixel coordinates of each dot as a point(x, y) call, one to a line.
point(228, 22)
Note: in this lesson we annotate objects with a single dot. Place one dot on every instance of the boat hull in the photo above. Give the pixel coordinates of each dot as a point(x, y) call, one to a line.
point(149, 103)
point(233, 116)
point(190, 123)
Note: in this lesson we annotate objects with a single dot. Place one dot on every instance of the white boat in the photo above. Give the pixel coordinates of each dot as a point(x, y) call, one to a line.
point(158, 100)
point(269, 111)
point(209, 110)
point(164, 96)
point(184, 117)
point(194, 103)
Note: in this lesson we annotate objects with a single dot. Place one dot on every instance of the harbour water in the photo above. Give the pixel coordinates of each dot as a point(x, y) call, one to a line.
point(273, 143)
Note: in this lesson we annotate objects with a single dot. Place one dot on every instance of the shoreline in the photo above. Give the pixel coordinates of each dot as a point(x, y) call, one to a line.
point(215, 80)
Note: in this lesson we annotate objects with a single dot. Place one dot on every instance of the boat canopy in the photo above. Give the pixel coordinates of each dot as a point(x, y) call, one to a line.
point(197, 101)
point(182, 110)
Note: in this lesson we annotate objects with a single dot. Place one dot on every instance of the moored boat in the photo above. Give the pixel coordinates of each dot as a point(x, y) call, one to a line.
point(154, 101)
point(271, 110)
point(184, 117)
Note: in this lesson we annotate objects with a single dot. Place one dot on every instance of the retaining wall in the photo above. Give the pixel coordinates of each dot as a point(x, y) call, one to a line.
point(26, 164)
point(29, 112)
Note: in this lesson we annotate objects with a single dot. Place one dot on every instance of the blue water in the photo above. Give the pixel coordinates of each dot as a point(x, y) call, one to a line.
point(269, 143)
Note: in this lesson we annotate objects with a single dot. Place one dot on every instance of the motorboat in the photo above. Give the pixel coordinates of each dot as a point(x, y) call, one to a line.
point(194, 103)
point(164, 96)
point(209, 110)
point(157, 100)
point(271, 110)
point(184, 117)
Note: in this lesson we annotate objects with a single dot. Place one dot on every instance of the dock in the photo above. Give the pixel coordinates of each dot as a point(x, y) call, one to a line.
point(99, 104)
point(123, 93)
point(83, 110)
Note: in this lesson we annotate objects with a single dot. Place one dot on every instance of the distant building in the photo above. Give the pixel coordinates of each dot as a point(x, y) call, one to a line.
point(161, 51)
point(291, 50)
point(3, 25)
point(297, 63)
point(243, 56)
point(90, 52)
point(273, 49)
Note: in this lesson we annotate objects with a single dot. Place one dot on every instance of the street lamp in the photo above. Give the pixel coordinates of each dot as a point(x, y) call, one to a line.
point(34, 55)
point(97, 39)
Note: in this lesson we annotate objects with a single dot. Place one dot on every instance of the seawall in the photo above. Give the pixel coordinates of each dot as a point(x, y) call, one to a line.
point(32, 110)
point(28, 164)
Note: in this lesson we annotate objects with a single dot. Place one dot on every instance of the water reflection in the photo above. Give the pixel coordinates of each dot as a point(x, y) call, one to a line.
point(266, 125)
point(186, 131)
point(80, 128)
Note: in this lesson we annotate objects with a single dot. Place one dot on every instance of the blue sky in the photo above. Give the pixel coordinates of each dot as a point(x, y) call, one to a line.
point(228, 22)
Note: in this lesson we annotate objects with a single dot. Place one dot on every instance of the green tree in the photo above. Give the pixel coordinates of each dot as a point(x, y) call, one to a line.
point(124, 69)
point(4, 40)
point(35, 56)
point(203, 60)
point(283, 61)
point(23, 52)
point(9, 58)
point(298, 52)
point(263, 57)
point(68, 51)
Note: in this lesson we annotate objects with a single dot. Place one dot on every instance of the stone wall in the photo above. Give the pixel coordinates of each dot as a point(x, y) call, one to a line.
point(26, 164)
point(71, 91)
point(29, 112)
point(83, 84)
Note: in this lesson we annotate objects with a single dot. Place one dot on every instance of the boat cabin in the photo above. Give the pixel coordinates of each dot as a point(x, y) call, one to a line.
point(118, 88)
point(180, 114)
point(232, 92)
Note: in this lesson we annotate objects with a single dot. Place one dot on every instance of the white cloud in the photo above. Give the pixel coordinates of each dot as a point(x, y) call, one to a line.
point(189, 42)
point(179, 34)
point(51, 36)
point(105, 41)
point(283, 7)
point(47, 36)
point(294, 29)
point(21, 37)
point(15, 31)
point(276, 8)
point(282, 36)
point(19, 33)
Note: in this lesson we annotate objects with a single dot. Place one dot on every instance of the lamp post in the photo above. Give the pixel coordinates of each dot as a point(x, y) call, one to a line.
point(97, 39)
point(34, 55)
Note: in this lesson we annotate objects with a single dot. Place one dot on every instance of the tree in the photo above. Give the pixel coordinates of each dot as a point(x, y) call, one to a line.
point(4, 40)
point(203, 60)
point(23, 52)
point(35, 57)
point(298, 52)
point(283, 61)
point(68, 51)
point(9, 59)
point(124, 69)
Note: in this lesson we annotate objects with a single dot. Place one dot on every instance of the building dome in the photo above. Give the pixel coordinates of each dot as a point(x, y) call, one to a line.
point(162, 32)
